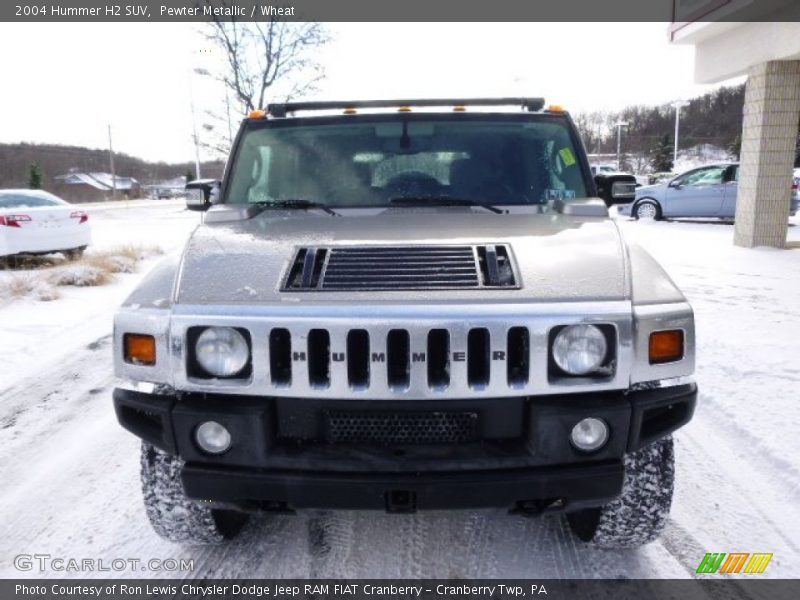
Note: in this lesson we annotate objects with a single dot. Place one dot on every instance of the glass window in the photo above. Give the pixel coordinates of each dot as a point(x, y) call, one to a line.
point(363, 163)
point(28, 200)
point(705, 176)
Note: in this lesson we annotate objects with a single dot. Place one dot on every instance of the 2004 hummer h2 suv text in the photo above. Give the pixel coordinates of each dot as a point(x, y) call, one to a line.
point(405, 306)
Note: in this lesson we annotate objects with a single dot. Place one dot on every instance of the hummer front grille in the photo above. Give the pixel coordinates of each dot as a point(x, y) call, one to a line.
point(415, 351)
point(392, 354)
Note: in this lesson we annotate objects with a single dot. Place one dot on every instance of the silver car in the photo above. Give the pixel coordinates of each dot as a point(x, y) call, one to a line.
point(708, 191)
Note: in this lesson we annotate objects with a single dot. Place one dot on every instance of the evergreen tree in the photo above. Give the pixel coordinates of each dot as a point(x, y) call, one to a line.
point(661, 155)
point(189, 175)
point(735, 147)
point(34, 177)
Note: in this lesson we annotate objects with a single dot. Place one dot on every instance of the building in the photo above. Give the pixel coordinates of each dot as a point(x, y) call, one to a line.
point(762, 41)
point(169, 188)
point(76, 186)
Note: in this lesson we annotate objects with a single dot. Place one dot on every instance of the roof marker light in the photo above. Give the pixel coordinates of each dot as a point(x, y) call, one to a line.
point(257, 114)
point(459, 108)
point(350, 110)
point(555, 108)
point(404, 109)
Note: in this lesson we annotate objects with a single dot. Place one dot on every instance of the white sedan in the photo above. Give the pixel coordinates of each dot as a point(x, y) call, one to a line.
point(36, 222)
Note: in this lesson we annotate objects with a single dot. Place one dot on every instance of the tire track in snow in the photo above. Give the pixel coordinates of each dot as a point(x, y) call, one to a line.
point(330, 539)
point(727, 508)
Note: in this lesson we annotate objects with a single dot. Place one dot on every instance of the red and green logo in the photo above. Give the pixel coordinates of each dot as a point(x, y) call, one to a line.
point(734, 562)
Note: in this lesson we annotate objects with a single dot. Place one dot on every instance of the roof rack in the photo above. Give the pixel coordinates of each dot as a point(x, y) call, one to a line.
point(281, 109)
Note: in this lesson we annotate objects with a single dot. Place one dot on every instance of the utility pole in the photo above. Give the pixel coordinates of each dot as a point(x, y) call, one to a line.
point(111, 161)
point(619, 127)
point(194, 129)
point(228, 113)
point(677, 106)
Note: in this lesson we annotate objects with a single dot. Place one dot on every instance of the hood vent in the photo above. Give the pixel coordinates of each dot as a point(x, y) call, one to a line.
point(306, 269)
point(401, 268)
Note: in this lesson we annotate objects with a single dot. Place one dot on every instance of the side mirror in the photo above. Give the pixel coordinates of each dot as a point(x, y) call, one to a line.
point(675, 184)
point(615, 188)
point(201, 193)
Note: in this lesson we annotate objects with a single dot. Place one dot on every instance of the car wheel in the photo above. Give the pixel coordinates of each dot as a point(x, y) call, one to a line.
point(647, 209)
point(74, 253)
point(173, 515)
point(640, 513)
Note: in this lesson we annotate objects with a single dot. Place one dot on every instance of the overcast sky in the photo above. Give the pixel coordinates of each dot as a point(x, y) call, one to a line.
point(64, 83)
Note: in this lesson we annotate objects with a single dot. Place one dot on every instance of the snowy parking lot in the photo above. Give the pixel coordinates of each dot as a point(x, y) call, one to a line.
point(70, 473)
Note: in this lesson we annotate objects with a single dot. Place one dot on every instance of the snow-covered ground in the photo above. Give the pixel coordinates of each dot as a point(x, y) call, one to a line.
point(70, 473)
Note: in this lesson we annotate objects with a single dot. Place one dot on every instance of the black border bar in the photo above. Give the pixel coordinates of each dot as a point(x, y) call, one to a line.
point(703, 588)
point(678, 13)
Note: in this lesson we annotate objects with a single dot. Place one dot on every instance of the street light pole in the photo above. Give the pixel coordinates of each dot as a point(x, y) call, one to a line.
point(677, 106)
point(619, 127)
point(194, 130)
point(111, 164)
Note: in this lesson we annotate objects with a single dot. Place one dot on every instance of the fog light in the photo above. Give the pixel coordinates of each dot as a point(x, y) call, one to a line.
point(589, 434)
point(213, 437)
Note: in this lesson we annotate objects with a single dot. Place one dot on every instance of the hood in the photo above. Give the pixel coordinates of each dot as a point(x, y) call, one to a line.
point(649, 189)
point(558, 257)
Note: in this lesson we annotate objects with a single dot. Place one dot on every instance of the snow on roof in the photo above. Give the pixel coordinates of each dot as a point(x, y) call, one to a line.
point(99, 181)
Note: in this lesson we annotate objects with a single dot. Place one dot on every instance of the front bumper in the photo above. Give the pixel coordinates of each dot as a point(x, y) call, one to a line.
point(521, 458)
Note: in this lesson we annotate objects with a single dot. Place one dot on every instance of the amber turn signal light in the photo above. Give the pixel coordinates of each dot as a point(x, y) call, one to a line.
point(140, 349)
point(666, 346)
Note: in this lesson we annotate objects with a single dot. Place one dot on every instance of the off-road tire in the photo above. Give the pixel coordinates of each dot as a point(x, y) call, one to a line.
point(640, 513)
point(173, 515)
point(74, 253)
point(656, 210)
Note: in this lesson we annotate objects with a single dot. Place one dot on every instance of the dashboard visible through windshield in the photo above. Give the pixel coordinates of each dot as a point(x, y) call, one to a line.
point(362, 163)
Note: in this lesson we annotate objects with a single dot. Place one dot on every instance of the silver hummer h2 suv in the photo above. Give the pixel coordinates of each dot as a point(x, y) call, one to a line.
point(405, 306)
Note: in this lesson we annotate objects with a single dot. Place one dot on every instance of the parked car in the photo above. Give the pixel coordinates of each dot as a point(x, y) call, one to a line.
point(406, 310)
point(37, 222)
point(603, 169)
point(708, 191)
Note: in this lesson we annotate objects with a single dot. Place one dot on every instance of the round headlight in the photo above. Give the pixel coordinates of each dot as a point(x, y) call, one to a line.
point(213, 437)
point(579, 349)
point(222, 351)
point(589, 434)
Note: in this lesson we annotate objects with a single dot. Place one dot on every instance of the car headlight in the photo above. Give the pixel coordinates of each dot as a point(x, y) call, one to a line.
point(222, 351)
point(580, 349)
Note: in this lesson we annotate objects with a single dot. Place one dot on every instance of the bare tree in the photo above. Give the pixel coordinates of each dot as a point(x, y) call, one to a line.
point(269, 60)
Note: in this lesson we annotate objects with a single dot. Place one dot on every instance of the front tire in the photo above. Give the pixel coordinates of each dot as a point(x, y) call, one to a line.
point(640, 513)
point(647, 209)
point(173, 515)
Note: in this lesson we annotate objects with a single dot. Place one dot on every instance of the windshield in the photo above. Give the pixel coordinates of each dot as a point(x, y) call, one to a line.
point(363, 163)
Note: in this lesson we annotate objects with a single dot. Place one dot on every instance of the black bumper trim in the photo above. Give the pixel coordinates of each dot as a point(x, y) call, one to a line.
point(148, 416)
point(564, 487)
point(659, 412)
point(262, 469)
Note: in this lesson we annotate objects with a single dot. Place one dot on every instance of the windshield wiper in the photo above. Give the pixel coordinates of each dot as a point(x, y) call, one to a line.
point(299, 203)
point(444, 201)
